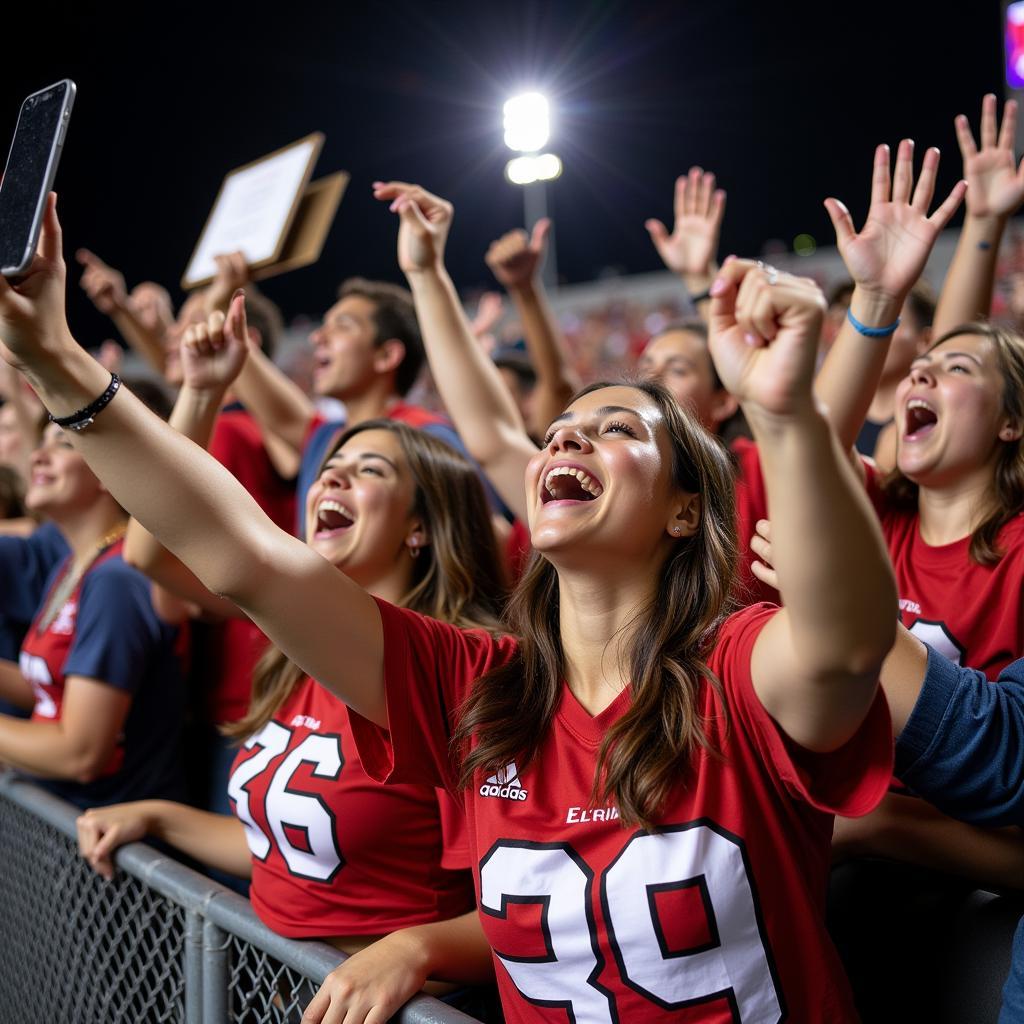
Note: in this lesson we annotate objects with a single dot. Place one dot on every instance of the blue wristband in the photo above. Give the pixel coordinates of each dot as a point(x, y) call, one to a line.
point(872, 332)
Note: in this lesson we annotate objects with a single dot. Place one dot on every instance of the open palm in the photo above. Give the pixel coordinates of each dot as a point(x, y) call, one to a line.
point(889, 253)
point(699, 208)
point(995, 184)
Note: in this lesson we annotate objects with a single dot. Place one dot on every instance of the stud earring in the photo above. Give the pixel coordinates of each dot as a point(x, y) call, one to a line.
point(676, 530)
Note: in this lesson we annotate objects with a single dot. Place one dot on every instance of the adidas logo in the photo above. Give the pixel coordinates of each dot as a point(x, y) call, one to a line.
point(505, 783)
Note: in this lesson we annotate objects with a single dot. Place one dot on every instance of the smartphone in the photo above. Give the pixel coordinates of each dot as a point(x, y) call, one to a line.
point(28, 176)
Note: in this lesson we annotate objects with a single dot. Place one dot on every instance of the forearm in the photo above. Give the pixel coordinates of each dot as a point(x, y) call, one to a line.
point(216, 840)
point(276, 402)
point(967, 292)
point(545, 346)
point(470, 386)
point(455, 950)
point(147, 344)
point(907, 829)
point(848, 378)
point(14, 687)
point(45, 749)
point(834, 572)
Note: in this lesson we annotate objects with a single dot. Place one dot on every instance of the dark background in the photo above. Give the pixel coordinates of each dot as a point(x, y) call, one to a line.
point(785, 102)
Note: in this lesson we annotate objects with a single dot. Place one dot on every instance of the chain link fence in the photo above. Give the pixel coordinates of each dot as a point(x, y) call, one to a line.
point(160, 943)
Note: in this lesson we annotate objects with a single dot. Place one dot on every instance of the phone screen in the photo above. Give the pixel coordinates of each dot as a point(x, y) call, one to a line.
point(28, 174)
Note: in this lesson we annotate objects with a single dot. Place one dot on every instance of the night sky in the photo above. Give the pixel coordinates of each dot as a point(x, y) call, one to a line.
point(784, 101)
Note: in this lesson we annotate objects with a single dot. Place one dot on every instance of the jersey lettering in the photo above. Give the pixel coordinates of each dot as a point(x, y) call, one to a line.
point(288, 809)
point(732, 962)
point(939, 638)
point(35, 670)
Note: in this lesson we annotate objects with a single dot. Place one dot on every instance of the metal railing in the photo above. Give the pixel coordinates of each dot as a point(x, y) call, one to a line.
point(159, 943)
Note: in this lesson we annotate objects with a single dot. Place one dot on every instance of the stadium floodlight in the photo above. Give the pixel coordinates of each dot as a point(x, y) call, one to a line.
point(527, 125)
point(525, 170)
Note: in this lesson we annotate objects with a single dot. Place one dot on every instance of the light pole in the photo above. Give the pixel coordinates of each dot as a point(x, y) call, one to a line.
point(527, 129)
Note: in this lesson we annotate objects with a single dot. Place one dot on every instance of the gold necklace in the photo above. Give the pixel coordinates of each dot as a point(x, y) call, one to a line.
point(73, 577)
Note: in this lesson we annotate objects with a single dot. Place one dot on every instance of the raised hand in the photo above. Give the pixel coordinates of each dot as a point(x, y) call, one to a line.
point(213, 352)
point(699, 208)
point(232, 273)
point(32, 311)
point(995, 183)
point(890, 252)
point(425, 222)
point(515, 259)
point(763, 336)
point(102, 283)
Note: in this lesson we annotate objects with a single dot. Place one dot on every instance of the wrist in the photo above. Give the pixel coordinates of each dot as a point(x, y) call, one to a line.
point(419, 275)
point(695, 283)
point(804, 418)
point(411, 946)
point(201, 399)
point(984, 232)
point(875, 308)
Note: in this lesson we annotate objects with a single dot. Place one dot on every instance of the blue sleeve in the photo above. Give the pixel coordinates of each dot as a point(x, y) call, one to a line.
point(25, 566)
point(962, 748)
point(443, 432)
point(117, 632)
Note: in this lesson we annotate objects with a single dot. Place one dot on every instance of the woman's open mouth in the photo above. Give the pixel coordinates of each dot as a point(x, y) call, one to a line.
point(332, 518)
point(920, 420)
point(565, 483)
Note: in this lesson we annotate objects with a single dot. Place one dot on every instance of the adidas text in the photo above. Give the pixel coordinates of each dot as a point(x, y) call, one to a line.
point(505, 783)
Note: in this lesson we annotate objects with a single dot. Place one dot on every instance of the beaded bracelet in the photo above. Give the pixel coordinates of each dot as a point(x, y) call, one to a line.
point(872, 332)
point(85, 417)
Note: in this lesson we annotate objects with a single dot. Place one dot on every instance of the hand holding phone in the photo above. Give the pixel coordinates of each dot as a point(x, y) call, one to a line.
point(31, 168)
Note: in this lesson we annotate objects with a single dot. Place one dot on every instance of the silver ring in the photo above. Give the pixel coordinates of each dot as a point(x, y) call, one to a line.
point(770, 272)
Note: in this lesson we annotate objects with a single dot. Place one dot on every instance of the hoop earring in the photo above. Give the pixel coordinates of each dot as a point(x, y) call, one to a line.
point(414, 551)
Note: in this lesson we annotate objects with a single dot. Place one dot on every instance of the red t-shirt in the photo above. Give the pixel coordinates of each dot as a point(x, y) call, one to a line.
point(334, 853)
point(751, 505)
point(973, 614)
point(236, 645)
point(719, 916)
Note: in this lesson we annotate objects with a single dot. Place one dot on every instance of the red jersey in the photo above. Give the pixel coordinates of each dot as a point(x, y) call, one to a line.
point(237, 444)
point(334, 853)
point(972, 614)
point(751, 505)
point(717, 916)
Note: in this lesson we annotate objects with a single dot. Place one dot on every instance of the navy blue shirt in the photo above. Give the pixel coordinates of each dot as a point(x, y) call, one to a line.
point(109, 632)
point(962, 749)
point(25, 565)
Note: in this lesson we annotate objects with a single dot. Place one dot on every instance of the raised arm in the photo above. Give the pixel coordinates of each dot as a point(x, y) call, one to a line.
point(884, 260)
point(815, 664)
point(208, 373)
point(690, 249)
point(995, 190)
point(106, 288)
point(322, 620)
point(276, 402)
point(515, 261)
point(470, 385)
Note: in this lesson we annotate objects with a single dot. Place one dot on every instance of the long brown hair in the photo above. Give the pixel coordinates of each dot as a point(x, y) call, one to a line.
point(1006, 494)
point(645, 753)
point(457, 577)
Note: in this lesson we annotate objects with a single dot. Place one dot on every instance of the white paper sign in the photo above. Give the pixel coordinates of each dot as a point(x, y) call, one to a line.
point(252, 211)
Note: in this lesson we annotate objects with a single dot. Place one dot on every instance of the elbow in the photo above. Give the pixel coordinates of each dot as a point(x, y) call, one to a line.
point(88, 765)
